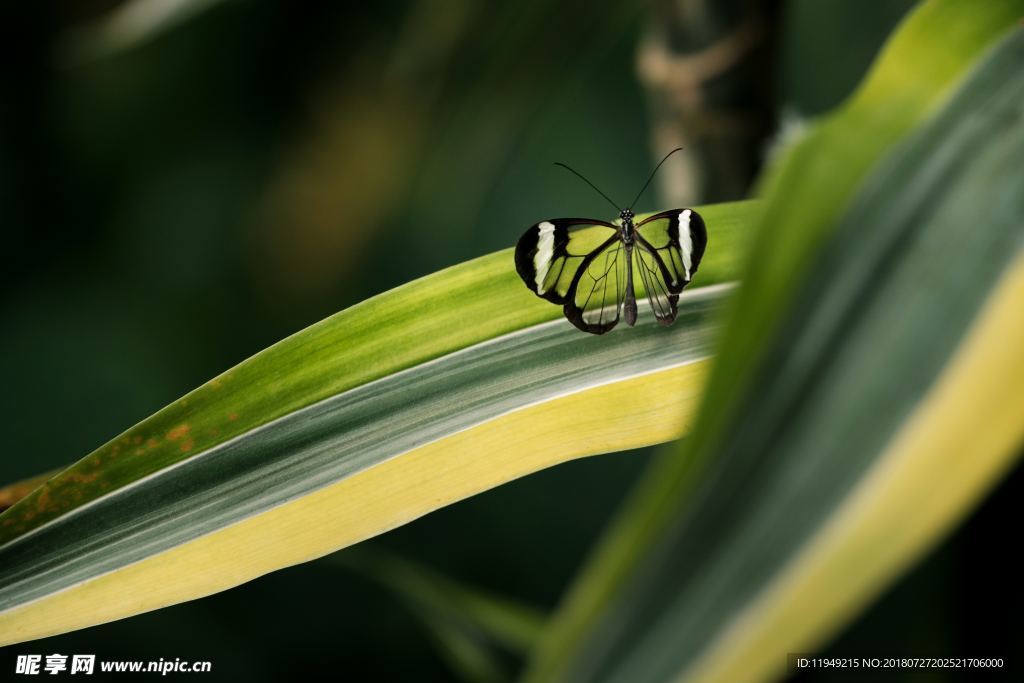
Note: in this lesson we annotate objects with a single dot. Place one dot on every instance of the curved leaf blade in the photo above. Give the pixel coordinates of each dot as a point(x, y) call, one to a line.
point(802, 476)
point(804, 195)
point(333, 439)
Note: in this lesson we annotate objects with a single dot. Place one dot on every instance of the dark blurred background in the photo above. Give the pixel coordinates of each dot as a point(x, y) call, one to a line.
point(184, 183)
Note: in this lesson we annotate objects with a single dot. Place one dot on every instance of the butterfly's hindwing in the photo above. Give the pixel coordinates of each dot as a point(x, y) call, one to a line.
point(550, 253)
point(598, 289)
point(655, 276)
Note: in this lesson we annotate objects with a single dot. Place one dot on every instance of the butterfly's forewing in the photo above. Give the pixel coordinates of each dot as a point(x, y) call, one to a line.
point(550, 253)
point(579, 263)
point(670, 245)
point(598, 289)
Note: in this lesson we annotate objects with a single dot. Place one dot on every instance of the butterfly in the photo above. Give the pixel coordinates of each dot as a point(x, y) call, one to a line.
point(589, 266)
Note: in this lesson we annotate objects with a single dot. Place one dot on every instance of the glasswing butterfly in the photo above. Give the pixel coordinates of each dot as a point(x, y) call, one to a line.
point(588, 265)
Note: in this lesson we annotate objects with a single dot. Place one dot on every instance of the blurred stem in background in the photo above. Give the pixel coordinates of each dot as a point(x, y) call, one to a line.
point(709, 70)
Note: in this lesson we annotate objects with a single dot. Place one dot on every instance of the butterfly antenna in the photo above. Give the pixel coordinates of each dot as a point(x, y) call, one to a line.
point(641, 192)
point(580, 175)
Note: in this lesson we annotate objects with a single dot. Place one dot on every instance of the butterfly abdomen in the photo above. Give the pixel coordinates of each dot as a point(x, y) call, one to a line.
point(630, 303)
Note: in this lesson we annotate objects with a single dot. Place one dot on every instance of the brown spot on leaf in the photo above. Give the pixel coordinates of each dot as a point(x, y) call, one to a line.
point(179, 432)
point(187, 445)
point(152, 443)
point(137, 440)
point(233, 416)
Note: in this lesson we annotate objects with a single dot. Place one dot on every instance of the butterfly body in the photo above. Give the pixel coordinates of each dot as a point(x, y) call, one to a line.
point(588, 265)
point(628, 233)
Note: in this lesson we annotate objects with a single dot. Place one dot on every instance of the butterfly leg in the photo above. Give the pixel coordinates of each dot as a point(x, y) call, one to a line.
point(630, 294)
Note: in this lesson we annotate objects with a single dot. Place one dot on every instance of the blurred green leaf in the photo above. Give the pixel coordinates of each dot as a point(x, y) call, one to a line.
point(812, 475)
point(468, 625)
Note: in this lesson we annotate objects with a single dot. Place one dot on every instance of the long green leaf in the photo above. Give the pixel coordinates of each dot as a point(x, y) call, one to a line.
point(432, 317)
point(812, 477)
point(438, 372)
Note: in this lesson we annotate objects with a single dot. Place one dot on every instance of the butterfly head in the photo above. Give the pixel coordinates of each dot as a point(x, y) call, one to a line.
point(626, 215)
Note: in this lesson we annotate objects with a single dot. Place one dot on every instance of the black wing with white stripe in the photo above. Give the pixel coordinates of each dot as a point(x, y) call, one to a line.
point(551, 253)
point(670, 247)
